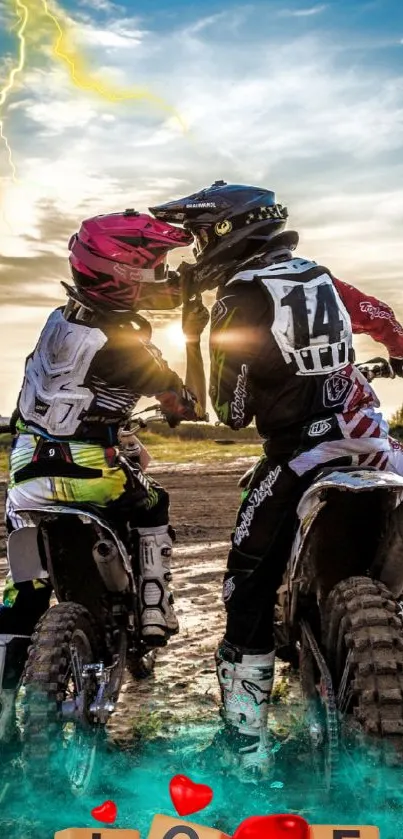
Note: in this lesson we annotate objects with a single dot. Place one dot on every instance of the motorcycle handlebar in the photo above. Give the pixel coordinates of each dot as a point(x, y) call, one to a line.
point(158, 416)
point(374, 368)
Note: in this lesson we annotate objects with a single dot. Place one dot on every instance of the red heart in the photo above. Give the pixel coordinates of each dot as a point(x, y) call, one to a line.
point(106, 812)
point(187, 796)
point(273, 827)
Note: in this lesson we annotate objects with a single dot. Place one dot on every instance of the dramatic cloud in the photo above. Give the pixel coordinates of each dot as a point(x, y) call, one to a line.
point(246, 97)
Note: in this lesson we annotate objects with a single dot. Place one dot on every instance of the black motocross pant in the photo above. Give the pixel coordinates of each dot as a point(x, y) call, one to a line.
point(261, 544)
point(264, 531)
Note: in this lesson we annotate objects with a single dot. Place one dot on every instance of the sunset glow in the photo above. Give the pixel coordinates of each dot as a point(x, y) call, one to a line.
point(306, 119)
point(174, 335)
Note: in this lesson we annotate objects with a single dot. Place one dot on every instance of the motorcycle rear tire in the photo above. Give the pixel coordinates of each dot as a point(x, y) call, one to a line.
point(47, 679)
point(361, 618)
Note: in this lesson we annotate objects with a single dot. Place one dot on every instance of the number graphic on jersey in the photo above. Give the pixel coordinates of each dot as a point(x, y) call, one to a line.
point(311, 325)
point(326, 307)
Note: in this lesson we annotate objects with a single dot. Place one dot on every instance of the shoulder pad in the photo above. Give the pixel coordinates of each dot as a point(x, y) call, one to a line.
point(294, 266)
point(243, 277)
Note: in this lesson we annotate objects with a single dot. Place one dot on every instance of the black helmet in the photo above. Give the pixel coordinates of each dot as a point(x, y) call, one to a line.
point(231, 224)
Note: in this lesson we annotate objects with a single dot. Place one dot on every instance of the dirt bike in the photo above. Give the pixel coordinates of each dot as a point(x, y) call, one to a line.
point(80, 647)
point(338, 618)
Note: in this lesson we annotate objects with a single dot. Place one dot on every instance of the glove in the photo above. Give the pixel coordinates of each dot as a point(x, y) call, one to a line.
point(377, 368)
point(195, 318)
point(397, 366)
point(178, 407)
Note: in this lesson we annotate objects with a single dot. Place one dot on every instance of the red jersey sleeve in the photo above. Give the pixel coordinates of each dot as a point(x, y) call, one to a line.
point(372, 317)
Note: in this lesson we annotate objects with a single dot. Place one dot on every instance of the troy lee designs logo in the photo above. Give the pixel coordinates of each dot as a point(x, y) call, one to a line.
point(336, 389)
point(317, 429)
point(384, 314)
point(228, 589)
point(240, 393)
point(218, 311)
point(256, 498)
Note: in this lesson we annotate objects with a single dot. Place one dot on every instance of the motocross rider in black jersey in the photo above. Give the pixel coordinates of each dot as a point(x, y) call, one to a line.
point(281, 353)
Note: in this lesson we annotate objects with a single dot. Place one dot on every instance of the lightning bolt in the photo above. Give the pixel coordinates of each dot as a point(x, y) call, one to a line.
point(80, 78)
point(23, 16)
point(76, 69)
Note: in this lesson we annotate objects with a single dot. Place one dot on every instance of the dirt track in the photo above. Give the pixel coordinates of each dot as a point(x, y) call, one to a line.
point(204, 499)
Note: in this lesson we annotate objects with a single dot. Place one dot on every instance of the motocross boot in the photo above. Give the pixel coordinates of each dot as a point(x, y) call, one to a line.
point(17, 623)
point(246, 682)
point(13, 653)
point(157, 616)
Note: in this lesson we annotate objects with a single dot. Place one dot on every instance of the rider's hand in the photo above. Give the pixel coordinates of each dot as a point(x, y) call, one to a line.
point(378, 368)
point(172, 419)
point(195, 318)
point(397, 366)
point(180, 406)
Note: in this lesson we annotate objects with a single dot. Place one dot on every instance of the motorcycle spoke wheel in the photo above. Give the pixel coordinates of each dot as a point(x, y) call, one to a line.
point(60, 749)
point(364, 640)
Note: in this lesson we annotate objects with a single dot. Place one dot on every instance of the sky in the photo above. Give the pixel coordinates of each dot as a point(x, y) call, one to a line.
point(128, 105)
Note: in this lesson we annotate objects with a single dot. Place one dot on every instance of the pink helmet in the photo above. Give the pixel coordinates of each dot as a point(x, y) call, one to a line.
point(118, 262)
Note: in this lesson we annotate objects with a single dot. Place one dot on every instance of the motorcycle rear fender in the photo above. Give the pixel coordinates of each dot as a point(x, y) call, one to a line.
point(313, 500)
point(27, 565)
point(23, 555)
point(353, 481)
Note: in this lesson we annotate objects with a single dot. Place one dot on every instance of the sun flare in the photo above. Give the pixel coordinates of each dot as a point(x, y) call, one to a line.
point(175, 335)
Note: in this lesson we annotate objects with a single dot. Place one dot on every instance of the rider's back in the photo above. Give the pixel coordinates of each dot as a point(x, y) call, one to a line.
point(295, 354)
point(82, 378)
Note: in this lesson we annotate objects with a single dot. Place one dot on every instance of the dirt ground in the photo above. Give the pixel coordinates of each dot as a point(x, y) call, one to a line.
point(204, 499)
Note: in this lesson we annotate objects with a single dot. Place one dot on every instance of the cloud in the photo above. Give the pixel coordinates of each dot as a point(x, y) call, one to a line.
point(313, 10)
point(120, 34)
point(204, 23)
point(99, 5)
point(287, 113)
point(16, 284)
point(298, 114)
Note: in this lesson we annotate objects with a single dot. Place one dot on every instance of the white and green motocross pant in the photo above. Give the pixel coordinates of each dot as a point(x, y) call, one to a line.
point(96, 478)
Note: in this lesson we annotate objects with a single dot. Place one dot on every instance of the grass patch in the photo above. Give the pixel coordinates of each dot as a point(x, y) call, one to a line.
point(3, 460)
point(177, 450)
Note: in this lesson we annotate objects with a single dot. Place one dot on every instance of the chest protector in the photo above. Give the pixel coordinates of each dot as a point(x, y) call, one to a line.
point(53, 395)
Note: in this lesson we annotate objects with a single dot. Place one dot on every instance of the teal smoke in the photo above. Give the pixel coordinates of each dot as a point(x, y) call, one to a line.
point(138, 781)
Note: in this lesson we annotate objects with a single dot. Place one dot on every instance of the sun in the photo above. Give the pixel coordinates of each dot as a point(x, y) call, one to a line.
point(175, 335)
